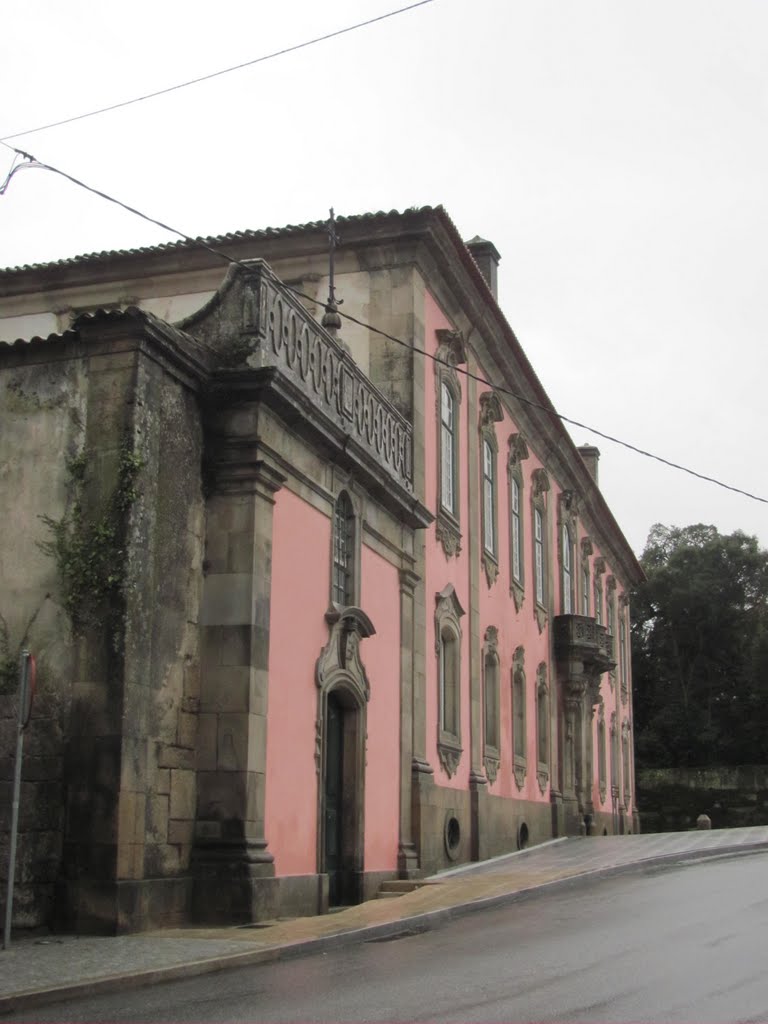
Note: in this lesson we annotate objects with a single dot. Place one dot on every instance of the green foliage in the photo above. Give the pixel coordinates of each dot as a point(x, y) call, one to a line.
point(10, 654)
point(88, 545)
point(700, 649)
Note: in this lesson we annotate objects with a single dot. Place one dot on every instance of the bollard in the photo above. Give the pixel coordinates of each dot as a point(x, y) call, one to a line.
point(703, 821)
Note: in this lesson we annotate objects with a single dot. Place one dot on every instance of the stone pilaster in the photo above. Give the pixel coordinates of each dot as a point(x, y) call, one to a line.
point(234, 870)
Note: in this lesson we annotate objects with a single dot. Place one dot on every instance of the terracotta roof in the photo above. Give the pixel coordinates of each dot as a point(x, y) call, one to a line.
point(214, 240)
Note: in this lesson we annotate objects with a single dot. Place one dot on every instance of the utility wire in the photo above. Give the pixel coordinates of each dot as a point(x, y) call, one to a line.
point(399, 341)
point(217, 74)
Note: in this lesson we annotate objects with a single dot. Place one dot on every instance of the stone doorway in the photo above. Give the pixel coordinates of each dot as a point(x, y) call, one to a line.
point(342, 801)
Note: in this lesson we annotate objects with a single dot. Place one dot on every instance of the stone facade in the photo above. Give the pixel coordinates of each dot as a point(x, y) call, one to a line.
point(311, 611)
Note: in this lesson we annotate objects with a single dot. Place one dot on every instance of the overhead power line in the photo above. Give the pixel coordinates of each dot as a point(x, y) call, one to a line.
point(217, 74)
point(399, 341)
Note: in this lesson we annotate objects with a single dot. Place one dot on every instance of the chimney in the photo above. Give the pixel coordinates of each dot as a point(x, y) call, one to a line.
point(591, 457)
point(487, 257)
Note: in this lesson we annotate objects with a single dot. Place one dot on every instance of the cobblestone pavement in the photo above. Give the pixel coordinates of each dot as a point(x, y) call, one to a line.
point(37, 970)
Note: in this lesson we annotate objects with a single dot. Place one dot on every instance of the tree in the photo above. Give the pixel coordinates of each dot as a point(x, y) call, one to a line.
point(700, 649)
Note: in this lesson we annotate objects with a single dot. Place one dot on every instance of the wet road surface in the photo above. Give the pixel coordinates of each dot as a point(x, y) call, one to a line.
point(685, 942)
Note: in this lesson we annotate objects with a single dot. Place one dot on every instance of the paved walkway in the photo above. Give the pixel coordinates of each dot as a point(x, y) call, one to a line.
point(35, 971)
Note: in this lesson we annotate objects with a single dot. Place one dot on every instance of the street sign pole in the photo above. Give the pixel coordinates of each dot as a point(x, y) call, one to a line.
point(26, 690)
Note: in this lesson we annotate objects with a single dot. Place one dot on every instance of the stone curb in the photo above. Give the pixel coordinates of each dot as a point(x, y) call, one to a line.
point(414, 924)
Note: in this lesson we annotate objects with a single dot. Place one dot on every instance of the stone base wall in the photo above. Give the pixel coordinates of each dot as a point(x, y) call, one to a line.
point(507, 825)
point(672, 799)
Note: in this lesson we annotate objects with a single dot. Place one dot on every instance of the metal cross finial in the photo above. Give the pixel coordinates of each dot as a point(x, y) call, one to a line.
point(331, 319)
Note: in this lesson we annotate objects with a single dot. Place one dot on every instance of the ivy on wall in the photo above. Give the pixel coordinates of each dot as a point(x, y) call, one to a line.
point(88, 545)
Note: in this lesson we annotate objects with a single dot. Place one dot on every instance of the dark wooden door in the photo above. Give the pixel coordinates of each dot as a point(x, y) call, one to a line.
point(334, 799)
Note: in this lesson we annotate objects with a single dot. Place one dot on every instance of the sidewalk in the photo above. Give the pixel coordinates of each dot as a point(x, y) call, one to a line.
point(43, 970)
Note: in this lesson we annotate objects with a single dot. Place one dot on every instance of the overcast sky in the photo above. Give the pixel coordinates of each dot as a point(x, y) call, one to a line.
point(616, 153)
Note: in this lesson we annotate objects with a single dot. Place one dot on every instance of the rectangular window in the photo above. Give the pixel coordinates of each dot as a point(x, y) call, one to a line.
point(585, 591)
point(538, 542)
point(567, 577)
point(598, 603)
point(517, 554)
point(489, 500)
point(448, 450)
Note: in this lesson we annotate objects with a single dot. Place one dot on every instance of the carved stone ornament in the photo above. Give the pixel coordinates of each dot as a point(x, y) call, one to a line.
point(610, 582)
point(539, 482)
point(451, 352)
point(623, 600)
point(340, 658)
point(586, 547)
point(450, 756)
point(540, 615)
point(518, 594)
point(517, 450)
point(490, 409)
point(568, 505)
point(599, 565)
point(491, 765)
point(491, 567)
point(448, 535)
point(491, 637)
point(519, 770)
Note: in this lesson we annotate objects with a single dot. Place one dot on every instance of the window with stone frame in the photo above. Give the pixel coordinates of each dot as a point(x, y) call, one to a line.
point(623, 648)
point(586, 575)
point(491, 730)
point(518, 451)
point(615, 768)
point(539, 491)
point(519, 736)
point(567, 520)
point(448, 613)
point(610, 617)
point(490, 413)
point(542, 727)
point(345, 555)
point(599, 567)
point(450, 354)
point(601, 753)
point(626, 762)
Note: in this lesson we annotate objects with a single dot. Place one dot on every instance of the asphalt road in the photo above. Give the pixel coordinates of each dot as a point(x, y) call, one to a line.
point(687, 942)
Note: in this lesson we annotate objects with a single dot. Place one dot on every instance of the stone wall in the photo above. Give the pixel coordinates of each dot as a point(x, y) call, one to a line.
point(671, 799)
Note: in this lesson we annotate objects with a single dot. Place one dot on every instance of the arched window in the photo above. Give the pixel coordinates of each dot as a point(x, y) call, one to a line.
point(343, 581)
point(450, 354)
point(626, 762)
point(518, 451)
point(539, 491)
point(491, 738)
point(448, 649)
point(601, 754)
point(489, 498)
point(449, 450)
point(542, 726)
point(538, 551)
point(519, 745)
point(566, 561)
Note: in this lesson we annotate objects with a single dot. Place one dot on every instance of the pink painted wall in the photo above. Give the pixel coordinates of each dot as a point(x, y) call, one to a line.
point(301, 548)
point(380, 598)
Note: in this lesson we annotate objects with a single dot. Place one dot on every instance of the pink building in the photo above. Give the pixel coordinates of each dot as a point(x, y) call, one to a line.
point(371, 616)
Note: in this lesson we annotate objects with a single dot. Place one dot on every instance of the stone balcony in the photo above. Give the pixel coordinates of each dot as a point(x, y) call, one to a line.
point(581, 638)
